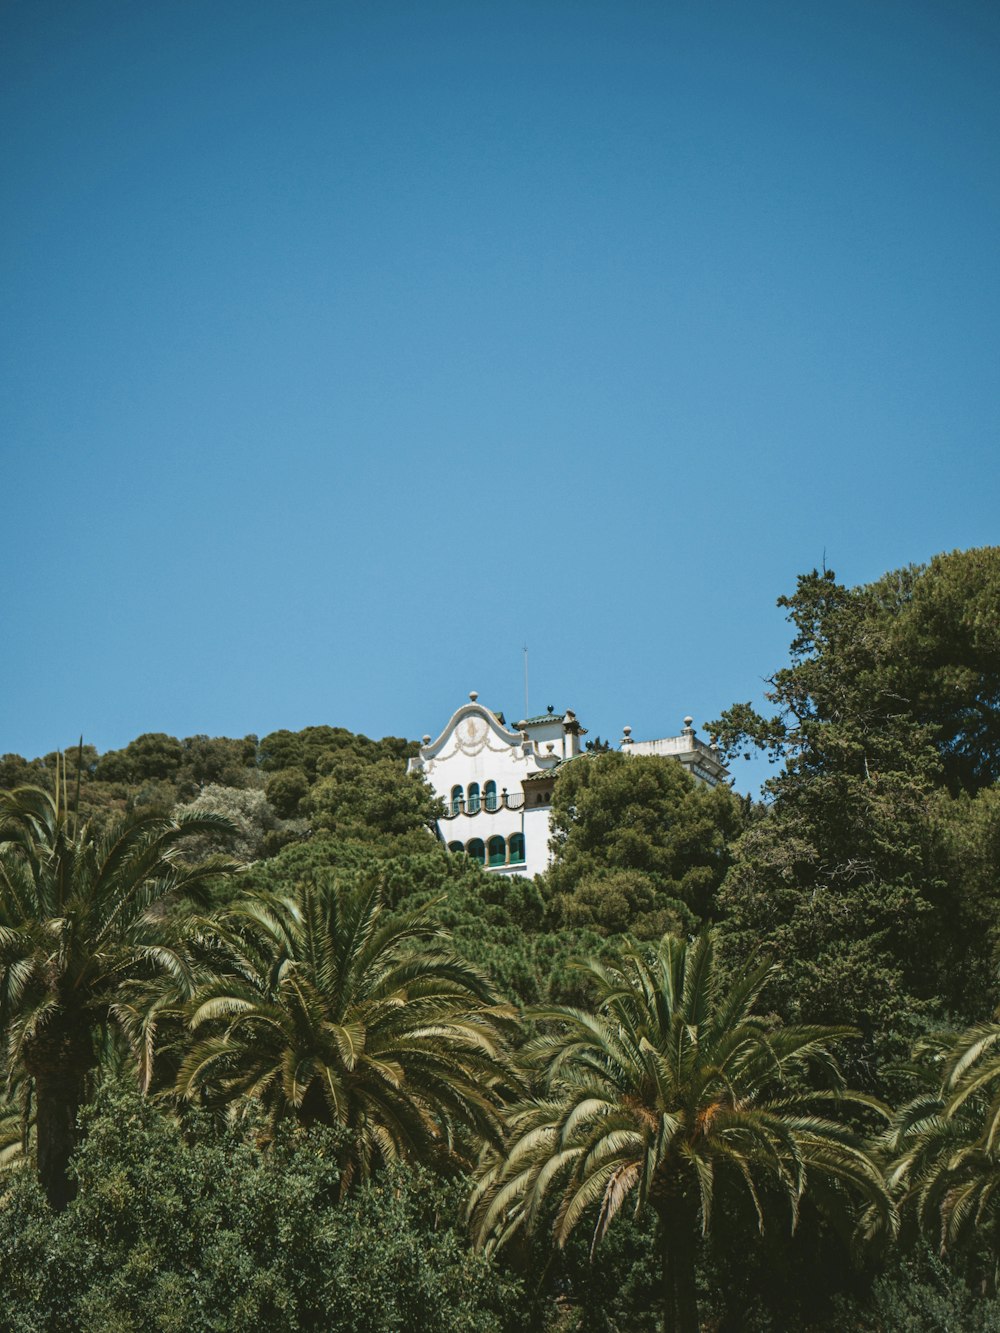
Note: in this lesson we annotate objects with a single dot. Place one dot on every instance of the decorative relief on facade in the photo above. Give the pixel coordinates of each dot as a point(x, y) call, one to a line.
point(471, 737)
point(480, 717)
point(474, 739)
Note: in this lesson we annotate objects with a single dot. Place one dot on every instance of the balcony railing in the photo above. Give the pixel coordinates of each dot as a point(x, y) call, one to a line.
point(485, 805)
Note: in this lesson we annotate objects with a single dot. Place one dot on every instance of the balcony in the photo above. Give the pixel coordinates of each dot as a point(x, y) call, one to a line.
point(486, 805)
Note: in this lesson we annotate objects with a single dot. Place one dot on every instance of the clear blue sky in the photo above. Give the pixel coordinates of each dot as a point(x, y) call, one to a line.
point(348, 347)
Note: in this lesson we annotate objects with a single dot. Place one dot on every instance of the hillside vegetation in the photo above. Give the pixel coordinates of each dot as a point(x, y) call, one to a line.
point(274, 1058)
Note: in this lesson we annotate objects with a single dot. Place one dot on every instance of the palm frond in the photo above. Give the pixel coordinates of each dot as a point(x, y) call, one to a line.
point(668, 1078)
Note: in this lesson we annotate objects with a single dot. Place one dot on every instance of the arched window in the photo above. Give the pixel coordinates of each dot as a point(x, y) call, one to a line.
point(473, 798)
point(455, 847)
point(476, 850)
point(490, 796)
point(457, 801)
point(516, 848)
point(497, 849)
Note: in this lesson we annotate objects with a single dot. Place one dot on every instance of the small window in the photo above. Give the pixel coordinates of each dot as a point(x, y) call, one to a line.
point(490, 795)
point(457, 800)
point(455, 847)
point(473, 798)
point(498, 851)
point(516, 848)
point(476, 850)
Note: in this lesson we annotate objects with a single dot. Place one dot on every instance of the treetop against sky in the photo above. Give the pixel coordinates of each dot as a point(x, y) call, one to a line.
point(349, 348)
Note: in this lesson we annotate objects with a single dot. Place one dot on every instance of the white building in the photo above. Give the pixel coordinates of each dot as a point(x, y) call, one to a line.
point(497, 784)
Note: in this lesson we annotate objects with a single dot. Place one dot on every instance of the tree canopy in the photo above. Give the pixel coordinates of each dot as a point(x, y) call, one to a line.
point(83, 934)
point(324, 1009)
point(667, 1091)
point(861, 872)
point(899, 675)
point(638, 844)
point(243, 1086)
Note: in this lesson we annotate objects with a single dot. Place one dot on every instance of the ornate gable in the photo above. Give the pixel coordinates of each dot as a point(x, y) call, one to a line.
point(472, 729)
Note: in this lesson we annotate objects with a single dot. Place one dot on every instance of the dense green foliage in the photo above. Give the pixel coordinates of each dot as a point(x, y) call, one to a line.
point(157, 771)
point(323, 1008)
point(175, 1231)
point(944, 1144)
point(641, 846)
point(330, 1032)
point(671, 1092)
point(85, 936)
point(900, 675)
point(872, 872)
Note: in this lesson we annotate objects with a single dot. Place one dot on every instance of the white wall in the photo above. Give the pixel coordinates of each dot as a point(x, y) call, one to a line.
point(476, 748)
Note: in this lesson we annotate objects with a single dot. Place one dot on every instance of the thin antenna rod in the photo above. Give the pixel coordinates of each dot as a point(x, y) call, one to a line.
point(525, 680)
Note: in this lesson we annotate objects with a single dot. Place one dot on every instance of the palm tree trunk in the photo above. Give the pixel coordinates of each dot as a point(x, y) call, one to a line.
point(58, 1060)
point(677, 1266)
point(58, 1094)
point(686, 1288)
point(668, 1277)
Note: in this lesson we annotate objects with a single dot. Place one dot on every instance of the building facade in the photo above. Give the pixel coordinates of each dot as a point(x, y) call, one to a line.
point(496, 783)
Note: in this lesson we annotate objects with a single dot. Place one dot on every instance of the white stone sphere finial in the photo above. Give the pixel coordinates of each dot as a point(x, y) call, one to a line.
point(688, 721)
point(473, 695)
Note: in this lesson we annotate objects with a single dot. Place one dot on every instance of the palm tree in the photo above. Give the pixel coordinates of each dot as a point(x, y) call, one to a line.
point(331, 1013)
point(943, 1146)
point(83, 927)
point(16, 1124)
point(667, 1089)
